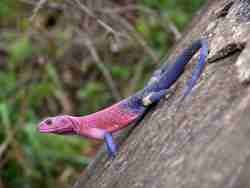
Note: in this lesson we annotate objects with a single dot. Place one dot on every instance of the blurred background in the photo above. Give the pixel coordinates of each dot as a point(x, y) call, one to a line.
point(73, 57)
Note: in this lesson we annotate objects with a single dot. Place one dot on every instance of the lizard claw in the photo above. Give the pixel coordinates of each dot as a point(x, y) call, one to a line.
point(110, 145)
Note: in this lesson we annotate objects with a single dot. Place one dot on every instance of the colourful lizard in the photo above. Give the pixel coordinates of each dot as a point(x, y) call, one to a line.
point(102, 124)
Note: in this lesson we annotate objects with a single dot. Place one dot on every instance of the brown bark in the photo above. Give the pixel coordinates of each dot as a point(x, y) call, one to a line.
point(205, 141)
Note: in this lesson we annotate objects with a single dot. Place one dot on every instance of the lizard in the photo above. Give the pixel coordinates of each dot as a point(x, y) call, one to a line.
point(102, 124)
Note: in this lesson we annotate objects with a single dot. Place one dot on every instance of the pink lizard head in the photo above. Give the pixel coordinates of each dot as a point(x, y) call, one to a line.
point(65, 124)
point(62, 124)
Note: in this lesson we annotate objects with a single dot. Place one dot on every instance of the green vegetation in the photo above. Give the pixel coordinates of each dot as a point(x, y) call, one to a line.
point(47, 68)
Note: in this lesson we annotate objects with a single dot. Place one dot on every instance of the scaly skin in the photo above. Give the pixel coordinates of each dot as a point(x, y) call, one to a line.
point(102, 124)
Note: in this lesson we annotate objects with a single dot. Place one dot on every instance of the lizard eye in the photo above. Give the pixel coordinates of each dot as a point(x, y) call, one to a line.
point(48, 121)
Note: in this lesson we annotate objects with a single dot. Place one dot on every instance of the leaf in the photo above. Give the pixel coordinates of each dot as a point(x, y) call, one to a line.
point(4, 114)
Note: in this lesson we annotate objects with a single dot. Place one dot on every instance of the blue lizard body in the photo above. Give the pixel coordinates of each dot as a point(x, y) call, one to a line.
point(164, 78)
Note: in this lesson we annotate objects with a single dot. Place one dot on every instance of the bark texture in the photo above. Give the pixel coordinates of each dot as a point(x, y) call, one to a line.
point(205, 141)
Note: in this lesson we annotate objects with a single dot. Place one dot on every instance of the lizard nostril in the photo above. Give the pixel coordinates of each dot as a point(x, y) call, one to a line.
point(48, 121)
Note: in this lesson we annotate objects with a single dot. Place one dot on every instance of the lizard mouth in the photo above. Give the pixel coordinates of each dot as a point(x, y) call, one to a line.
point(51, 130)
point(43, 128)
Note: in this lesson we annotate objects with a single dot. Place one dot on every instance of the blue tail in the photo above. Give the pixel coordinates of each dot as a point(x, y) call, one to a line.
point(174, 71)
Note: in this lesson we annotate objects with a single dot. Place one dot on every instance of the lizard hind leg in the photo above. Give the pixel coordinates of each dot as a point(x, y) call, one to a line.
point(154, 97)
point(197, 69)
point(110, 145)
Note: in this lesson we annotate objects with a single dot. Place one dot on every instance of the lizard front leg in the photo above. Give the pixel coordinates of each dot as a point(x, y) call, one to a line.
point(97, 133)
point(110, 145)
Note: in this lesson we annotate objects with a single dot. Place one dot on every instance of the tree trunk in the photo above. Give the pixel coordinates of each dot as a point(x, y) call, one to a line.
point(204, 141)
